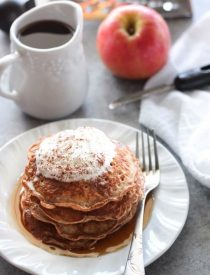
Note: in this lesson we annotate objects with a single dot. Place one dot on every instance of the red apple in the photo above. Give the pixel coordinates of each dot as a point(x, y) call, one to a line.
point(133, 41)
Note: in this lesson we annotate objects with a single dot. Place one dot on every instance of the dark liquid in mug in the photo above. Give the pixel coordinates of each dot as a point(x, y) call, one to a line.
point(46, 34)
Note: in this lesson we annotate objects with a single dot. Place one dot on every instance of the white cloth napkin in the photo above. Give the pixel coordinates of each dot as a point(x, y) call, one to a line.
point(183, 119)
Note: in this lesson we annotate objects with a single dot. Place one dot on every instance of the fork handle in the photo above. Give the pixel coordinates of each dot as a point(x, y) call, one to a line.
point(135, 261)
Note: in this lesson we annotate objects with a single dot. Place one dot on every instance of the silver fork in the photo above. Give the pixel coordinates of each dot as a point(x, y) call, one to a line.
point(151, 171)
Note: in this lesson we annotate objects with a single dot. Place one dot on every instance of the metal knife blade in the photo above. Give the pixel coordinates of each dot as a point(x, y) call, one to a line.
point(139, 95)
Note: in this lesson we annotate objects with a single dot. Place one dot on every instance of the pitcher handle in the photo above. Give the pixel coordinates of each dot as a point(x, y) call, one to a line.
point(4, 63)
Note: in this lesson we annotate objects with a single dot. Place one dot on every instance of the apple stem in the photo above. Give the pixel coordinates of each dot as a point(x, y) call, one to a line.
point(131, 30)
point(131, 27)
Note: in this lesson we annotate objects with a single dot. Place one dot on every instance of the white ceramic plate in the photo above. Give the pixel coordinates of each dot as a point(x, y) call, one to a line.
point(168, 216)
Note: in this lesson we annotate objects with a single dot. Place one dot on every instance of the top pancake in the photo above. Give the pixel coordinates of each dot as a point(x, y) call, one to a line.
point(123, 175)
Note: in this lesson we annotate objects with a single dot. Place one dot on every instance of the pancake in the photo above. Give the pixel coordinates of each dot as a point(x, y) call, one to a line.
point(85, 230)
point(112, 210)
point(79, 187)
point(85, 195)
point(48, 235)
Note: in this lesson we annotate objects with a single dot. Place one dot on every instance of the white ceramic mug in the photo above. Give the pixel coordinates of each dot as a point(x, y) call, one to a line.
point(46, 83)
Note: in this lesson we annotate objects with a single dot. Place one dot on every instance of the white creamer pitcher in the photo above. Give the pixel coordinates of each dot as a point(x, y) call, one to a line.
point(46, 83)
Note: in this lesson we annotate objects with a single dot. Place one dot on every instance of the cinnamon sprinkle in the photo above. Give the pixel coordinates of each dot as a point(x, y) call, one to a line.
point(73, 155)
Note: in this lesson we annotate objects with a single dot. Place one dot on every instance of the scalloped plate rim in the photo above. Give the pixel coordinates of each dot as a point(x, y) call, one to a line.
point(79, 121)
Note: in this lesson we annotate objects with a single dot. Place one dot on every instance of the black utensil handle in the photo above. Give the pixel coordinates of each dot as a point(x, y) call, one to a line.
point(193, 79)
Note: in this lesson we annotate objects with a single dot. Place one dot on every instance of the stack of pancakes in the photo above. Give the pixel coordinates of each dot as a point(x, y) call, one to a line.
point(78, 214)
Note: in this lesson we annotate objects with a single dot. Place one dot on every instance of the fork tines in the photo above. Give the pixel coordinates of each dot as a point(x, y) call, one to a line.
point(151, 151)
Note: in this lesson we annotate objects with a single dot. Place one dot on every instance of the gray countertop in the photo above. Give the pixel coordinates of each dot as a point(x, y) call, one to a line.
point(189, 255)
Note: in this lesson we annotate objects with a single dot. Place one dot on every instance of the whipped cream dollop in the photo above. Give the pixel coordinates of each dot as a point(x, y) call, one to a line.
point(72, 155)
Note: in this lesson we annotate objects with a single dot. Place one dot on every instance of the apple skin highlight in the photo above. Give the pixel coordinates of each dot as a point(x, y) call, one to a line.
point(134, 42)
